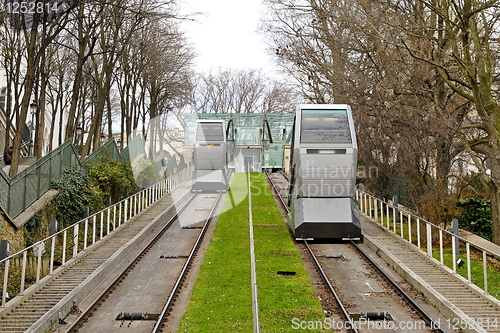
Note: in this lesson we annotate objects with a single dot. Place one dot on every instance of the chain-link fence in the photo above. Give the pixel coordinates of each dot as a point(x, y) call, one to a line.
point(59, 251)
point(135, 148)
point(19, 192)
point(171, 166)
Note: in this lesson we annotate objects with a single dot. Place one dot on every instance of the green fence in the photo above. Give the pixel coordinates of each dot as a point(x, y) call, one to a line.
point(109, 148)
point(135, 148)
point(182, 165)
point(171, 165)
point(19, 192)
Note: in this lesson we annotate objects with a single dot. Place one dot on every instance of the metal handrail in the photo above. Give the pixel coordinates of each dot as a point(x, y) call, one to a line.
point(121, 212)
point(368, 201)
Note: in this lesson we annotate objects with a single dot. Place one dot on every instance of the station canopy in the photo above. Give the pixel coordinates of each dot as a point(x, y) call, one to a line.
point(251, 129)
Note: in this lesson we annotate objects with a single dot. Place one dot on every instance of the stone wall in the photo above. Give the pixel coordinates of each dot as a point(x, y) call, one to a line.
point(13, 235)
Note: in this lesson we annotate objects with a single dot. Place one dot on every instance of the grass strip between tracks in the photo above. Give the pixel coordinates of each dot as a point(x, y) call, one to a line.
point(222, 297)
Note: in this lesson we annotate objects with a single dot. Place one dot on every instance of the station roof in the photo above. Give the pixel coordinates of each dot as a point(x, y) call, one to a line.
point(248, 126)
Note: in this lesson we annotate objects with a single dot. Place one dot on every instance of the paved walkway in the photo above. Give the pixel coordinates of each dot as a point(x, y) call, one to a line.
point(481, 242)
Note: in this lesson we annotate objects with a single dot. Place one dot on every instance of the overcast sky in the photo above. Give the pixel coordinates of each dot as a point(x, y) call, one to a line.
point(225, 34)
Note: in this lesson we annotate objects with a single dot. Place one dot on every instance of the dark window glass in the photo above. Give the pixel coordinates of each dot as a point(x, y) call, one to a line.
point(210, 132)
point(325, 126)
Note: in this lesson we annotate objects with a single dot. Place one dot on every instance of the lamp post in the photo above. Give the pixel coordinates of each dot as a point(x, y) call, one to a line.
point(79, 132)
point(33, 108)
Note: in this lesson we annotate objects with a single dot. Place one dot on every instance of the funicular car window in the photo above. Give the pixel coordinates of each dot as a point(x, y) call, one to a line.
point(325, 126)
point(210, 132)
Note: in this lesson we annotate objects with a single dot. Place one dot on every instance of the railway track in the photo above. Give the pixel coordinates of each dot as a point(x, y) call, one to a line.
point(353, 271)
point(35, 312)
point(137, 285)
point(170, 302)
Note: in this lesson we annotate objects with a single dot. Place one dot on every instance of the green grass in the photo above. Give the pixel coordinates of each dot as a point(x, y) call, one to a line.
point(222, 298)
point(281, 298)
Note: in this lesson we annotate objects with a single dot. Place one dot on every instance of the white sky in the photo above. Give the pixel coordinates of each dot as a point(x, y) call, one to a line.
point(225, 34)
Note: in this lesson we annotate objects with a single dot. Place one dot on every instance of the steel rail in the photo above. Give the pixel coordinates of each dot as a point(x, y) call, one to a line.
point(79, 322)
point(284, 175)
point(255, 302)
point(278, 193)
point(352, 326)
point(168, 305)
point(428, 319)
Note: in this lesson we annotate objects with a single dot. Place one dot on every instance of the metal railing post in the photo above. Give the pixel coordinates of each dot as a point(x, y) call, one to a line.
point(485, 273)
point(418, 233)
point(429, 239)
point(93, 229)
point(64, 247)
point(409, 228)
point(75, 239)
point(107, 221)
point(23, 271)
point(125, 210)
point(101, 230)
point(441, 254)
point(394, 217)
point(454, 253)
point(5, 280)
point(370, 206)
point(114, 217)
point(120, 214)
point(469, 275)
point(85, 233)
point(39, 262)
point(387, 214)
point(381, 212)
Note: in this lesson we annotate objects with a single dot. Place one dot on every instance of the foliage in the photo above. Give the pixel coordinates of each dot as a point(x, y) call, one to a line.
point(475, 216)
point(146, 172)
point(76, 192)
point(474, 186)
point(30, 229)
point(436, 204)
point(111, 177)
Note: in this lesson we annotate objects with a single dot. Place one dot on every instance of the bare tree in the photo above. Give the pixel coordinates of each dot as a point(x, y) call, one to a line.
point(348, 52)
point(241, 91)
point(38, 31)
point(465, 57)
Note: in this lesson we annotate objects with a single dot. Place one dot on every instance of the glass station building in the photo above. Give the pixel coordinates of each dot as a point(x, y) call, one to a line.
point(261, 141)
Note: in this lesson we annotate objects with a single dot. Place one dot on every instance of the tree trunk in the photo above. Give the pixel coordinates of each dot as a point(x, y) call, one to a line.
point(495, 216)
point(41, 108)
point(31, 65)
point(81, 59)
